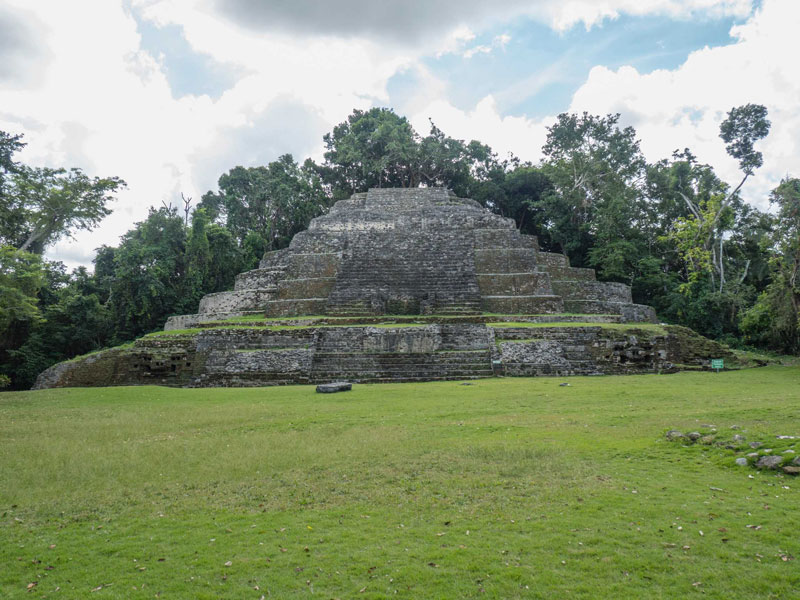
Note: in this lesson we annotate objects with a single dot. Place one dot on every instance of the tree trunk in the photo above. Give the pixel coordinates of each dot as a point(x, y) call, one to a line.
point(31, 239)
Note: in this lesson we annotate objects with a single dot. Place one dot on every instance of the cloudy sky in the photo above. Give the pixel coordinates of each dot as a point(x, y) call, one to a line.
point(170, 94)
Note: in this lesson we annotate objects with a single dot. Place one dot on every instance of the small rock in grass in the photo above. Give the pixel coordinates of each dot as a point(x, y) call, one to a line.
point(789, 451)
point(694, 435)
point(769, 462)
point(707, 440)
point(563, 385)
point(753, 455)
point(330, 388)
point(791, 470)
point(741, 461)
point(755, 445)
point(739, 438)
point(735, 427)
point(796, 461)
point(674, 434)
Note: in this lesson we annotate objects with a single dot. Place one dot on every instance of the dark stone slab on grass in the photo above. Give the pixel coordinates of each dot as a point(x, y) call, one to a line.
point(330, 388)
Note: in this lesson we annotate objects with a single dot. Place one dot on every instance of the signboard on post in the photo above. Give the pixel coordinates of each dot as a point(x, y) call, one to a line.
point(717, 364)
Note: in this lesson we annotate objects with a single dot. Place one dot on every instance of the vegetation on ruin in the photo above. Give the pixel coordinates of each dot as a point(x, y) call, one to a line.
point(650, 328)
point(505, 488)
point(681, 237)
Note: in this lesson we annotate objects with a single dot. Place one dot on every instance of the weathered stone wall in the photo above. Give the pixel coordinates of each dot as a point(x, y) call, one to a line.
point(259, 278)
point(236, 301)
point(593, 291)
point(259, 356)
point(591, 351)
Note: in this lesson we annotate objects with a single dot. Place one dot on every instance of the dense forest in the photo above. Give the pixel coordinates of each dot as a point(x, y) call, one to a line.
point(682, 238)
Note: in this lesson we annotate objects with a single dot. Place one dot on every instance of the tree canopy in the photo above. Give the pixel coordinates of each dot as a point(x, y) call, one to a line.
point(683, 238)
point(39, 206)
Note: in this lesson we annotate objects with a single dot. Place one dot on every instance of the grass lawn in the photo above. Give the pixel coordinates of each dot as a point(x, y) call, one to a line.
point(506, 488)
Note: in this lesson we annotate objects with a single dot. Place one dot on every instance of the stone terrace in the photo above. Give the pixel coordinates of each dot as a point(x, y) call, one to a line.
point(414, 251)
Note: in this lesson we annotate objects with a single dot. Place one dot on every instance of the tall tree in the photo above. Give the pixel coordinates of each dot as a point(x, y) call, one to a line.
point(41, 205)
point(149, 274)
point(774, 320)
point(700, 236)
point(9, 146)
point(21, 277)
point(273, 202)
point(595, 168)
point(520, 194)
point(374, 148)
point(377, 148)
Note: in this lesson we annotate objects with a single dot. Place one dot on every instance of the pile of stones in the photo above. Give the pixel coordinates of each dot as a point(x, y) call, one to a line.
point(756, 454)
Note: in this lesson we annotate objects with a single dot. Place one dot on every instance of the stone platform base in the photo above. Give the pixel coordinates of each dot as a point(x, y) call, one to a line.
point(260, 356)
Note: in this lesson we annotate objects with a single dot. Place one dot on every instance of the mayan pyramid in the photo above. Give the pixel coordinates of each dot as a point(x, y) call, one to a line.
point(400, 285)
point(420, 251)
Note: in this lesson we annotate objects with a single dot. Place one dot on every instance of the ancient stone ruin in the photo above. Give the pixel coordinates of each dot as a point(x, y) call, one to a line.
point(400, 285)
point(414, 252)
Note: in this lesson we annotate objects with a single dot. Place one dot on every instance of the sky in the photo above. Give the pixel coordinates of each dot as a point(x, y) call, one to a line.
point(171, 94)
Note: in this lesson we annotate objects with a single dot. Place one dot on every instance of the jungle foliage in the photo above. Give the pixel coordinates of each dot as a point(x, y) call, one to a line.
point(673, 230)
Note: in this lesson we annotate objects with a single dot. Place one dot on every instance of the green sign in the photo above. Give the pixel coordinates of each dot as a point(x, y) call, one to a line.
point(717, 363)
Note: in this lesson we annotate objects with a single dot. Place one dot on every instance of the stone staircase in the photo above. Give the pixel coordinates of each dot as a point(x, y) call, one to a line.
point(394, 366)
point(405, 272)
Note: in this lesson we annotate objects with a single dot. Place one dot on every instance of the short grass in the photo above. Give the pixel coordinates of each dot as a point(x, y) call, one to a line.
point(505, 488)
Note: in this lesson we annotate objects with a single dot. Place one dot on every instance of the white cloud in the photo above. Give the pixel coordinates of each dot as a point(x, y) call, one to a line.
point(104, 105)
point(416, 22)
point(499, 41)
point(97, 100)
point(684, 107)
point(519, 135)
point(567, 13)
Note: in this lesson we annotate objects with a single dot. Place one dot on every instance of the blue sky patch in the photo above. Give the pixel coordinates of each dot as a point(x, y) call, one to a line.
point(539, 70)
point(187, 71)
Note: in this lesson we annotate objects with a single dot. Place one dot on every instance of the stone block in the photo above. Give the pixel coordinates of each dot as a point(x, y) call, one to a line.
point(507, 284)
point(242, 300)
point(490, 239)
point(530, 305)
point(313, 265)
point(332, 388)
point(298, 307)
point(319, 287)
point(592, 290)
point(258, 278)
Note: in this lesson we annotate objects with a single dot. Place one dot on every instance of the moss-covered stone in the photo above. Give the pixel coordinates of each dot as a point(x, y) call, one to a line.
point(248, 355)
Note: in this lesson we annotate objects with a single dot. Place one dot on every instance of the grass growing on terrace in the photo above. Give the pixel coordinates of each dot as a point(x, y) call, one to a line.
point(263, 318)
point(650, 327)
point(507, 488)
point(196, 330)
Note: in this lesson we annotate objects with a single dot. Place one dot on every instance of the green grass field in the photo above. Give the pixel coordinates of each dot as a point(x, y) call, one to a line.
point(506, 488)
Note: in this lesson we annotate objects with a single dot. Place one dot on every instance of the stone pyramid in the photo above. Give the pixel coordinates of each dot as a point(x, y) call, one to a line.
point(400, 285)
point(420, 251)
